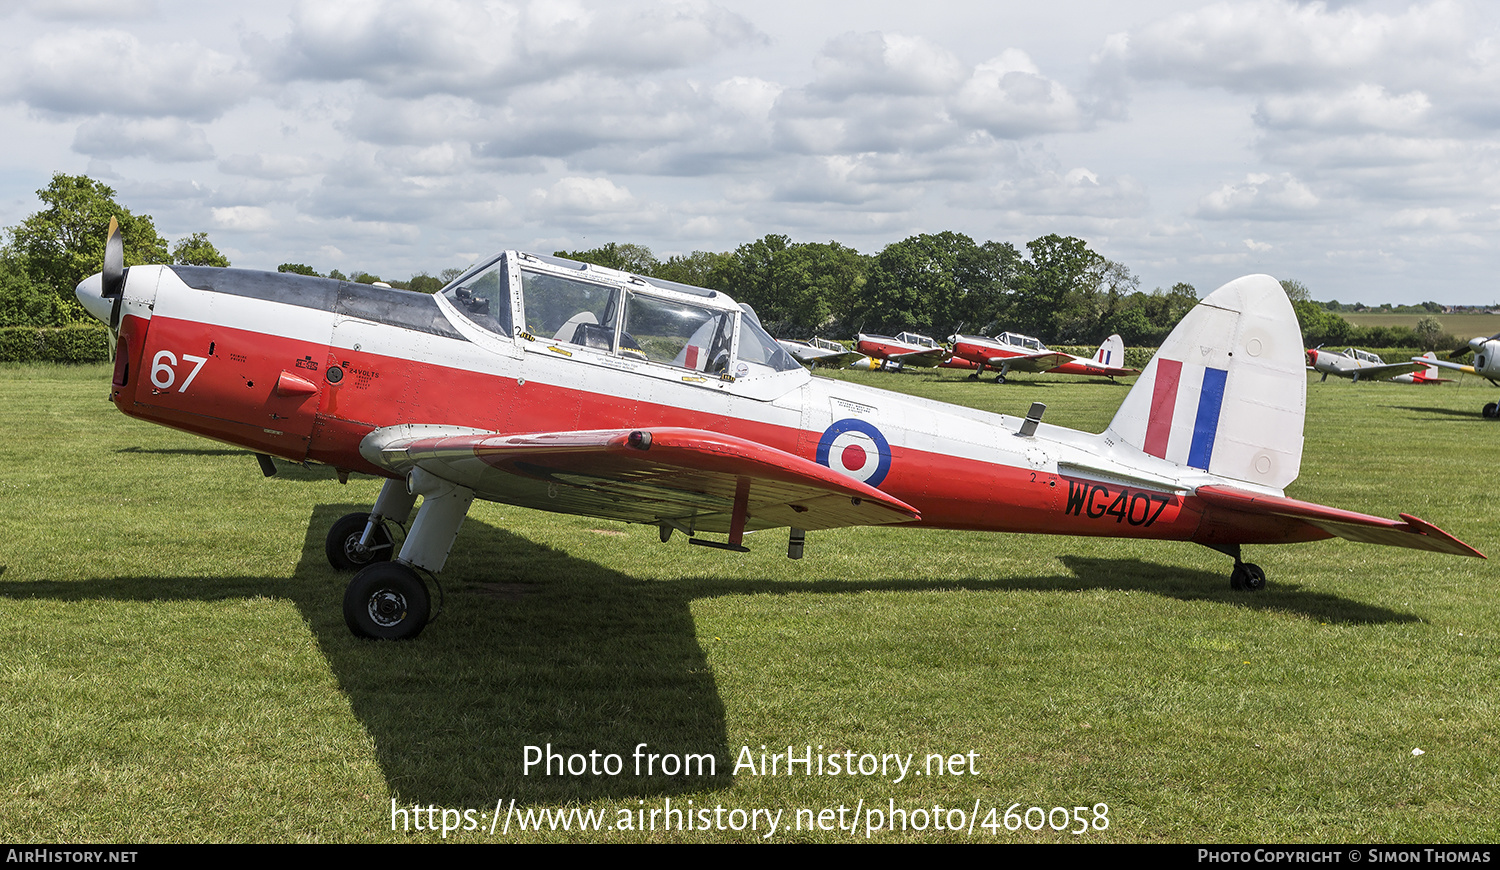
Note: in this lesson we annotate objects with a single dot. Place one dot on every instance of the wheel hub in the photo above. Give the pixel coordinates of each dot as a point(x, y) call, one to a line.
point(387, 607)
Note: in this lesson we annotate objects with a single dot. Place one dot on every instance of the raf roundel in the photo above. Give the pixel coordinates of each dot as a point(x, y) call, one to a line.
point(857, 449)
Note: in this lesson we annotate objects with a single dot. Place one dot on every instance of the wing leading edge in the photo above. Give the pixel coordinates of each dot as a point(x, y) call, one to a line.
point(705, 481)
point(1411, 532)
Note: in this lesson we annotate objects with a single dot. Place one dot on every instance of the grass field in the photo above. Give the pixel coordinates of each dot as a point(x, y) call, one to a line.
point(174, 664)
point(1464, 326)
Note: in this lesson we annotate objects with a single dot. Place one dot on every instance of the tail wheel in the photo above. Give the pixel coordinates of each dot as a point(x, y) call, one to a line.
point(1247, 577)
point(387, 601)
point(343, 548)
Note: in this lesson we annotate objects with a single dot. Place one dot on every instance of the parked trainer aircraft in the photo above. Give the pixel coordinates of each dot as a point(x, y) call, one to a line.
point(1427, 375)
point(904, 349)
point(556, 385)
point(1011, 351)
point(819, 352)
point(1486, 365)
point(1358, 365)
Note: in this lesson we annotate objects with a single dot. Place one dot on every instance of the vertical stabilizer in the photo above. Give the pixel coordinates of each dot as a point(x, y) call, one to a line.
point(1111, 352)
point(1227, 391)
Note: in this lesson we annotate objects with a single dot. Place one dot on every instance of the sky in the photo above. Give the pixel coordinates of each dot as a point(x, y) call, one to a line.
point(1351, 146)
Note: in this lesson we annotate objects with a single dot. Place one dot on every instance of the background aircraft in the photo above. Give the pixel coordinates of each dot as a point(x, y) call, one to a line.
point(905, 348)
point(1428, 375)
point(819, 352)
point(1358, 365)
point(1486, 365)
point(1011, 351)
point(556, 385)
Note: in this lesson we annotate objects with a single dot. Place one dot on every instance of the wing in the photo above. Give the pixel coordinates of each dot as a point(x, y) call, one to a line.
point(1412, 532)
point(1031, 362)
point(927, 359)
point(1458, 367)
point(1383, 373)
point(706, 481)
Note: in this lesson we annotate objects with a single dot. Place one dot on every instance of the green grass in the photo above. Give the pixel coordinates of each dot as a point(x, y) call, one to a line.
point(1464, 326)
point(174, 664)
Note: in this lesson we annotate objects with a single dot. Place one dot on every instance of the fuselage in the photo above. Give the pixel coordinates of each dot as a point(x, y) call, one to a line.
point(305, 368)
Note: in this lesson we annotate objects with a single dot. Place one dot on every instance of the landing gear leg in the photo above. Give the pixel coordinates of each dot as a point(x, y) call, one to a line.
point(388, 600)
point(1246, 576)
point(360, 539)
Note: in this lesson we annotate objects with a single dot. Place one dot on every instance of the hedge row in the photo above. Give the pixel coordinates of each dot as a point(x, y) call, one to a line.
point(82, 343)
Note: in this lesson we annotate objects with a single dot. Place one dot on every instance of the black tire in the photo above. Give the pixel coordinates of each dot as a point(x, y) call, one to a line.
point(387, 601)
point(1247, 577)
point(1491, 411)
point(342, 544)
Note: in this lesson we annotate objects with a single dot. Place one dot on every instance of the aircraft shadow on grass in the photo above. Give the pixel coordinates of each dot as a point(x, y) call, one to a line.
point(550, 648)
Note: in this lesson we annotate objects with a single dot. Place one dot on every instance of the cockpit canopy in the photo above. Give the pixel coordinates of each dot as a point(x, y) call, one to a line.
point(1018, 340)
point(560, 302)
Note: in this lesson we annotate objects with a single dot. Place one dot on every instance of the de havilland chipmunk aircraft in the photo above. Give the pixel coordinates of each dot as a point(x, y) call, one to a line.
point(819, 352)
point(551, 384)
point(1486, 365)
point(1359, 365)
point(1011, 351)
point(902, 349)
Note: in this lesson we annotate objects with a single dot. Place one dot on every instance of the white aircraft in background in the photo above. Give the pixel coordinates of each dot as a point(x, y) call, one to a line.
point(819, 352)
point(1486, 365)
point(1358, 365)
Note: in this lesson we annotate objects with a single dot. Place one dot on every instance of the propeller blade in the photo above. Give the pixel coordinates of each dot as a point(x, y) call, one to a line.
point(114, 262)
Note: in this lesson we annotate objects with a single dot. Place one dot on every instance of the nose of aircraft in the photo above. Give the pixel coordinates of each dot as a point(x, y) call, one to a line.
point(90, 292)
point(1312, 357)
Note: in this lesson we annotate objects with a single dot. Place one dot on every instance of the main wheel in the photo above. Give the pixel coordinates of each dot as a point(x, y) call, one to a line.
point(1247, 577)
point(342, 545)
point(999, 379)
point(1492, 410)
point(387, 601)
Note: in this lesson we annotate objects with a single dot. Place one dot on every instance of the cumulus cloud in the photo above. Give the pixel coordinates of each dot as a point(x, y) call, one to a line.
point(165, 140)
point(1010, 98)
point(84, 72)
point(480, 49)
point(586, 196)
point(1079, 192)
point(245, 218)
point(273, 167)
point(1259, 197)
point(888, 64)
point(1360, 108)
point(1274, 45)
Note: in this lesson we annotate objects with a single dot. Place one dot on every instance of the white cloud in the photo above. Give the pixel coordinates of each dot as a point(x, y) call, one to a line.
point(83, 72)
point(275, 167)
point(244, 218)
point(574, 195)
point(1079, 192)
point(480, 49)
point(1363, 107)
point(886, 64)
point(1259, 197)
point(165, 140)
point(1009, 97)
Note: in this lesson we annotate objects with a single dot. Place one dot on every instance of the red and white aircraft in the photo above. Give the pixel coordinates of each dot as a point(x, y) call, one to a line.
point(1011, 351)
point(903, 349)
point(556, 385)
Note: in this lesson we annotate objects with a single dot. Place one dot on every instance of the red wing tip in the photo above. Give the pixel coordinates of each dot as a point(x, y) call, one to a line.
point(1422, 527)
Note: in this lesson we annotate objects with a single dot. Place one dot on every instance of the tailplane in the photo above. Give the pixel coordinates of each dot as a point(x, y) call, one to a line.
point(1227, 390)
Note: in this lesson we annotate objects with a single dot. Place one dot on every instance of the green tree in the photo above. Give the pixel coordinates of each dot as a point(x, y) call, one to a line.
point(1056, 296)
point(298, 269)
point(1296, 291)
point(933, 282)
point(197, 250)
point(636, 259)
point(1430, 332)
point(64, 243)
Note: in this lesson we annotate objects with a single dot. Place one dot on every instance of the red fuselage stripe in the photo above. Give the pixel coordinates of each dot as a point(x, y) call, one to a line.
point(1163, 403)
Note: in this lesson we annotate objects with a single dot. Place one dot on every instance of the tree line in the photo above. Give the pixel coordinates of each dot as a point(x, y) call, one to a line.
point(1057, 288)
